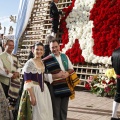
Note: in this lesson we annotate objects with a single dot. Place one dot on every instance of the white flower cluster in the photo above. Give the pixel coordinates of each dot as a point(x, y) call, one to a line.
point(80, 27)
point(100, 85)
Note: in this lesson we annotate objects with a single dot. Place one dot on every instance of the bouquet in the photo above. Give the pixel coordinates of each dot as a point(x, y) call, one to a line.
point(102, 85)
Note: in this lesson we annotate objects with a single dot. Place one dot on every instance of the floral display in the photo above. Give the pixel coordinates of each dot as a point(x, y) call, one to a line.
point(95, 24)
point(106, 30)
point(75, 53)
point(102, 85)
point(63, 24)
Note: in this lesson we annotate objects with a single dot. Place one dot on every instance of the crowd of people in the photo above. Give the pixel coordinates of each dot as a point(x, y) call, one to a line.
point(45, 88)
point(42, 93)
point(37, 95)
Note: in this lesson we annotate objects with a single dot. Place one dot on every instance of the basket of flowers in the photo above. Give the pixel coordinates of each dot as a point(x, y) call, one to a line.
point(102, 85)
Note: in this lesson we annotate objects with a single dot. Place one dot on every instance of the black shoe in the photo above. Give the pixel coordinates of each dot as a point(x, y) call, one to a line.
point(115, 118)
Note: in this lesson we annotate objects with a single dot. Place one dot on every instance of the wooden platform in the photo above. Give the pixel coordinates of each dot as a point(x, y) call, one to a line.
point(87, 106)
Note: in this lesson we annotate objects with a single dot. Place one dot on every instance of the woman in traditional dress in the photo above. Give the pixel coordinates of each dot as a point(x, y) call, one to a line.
point(36, 93)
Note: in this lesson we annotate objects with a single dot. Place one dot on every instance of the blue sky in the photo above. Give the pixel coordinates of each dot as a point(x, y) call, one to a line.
point(7, 8)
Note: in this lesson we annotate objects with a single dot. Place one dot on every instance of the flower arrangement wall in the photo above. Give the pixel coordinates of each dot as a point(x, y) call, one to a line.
point(96, 26)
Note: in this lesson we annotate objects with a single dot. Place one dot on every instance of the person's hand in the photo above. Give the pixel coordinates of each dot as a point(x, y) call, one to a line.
point(60, 74)
point(65, 74)
point(32, 96)
point(15, 75)
point(7, 71)
point(33, 100)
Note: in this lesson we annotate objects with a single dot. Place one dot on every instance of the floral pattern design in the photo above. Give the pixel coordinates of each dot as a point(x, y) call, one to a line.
point(95, 23)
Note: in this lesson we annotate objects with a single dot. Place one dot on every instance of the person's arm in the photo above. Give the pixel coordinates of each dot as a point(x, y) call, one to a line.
point(1, 65)
point(58, 75)
point(3, 71)
point(32, 96)
point(50, 77)
point(28, 84)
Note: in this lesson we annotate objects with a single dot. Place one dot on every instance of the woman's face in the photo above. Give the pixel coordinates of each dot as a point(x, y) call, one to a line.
point(38, 51)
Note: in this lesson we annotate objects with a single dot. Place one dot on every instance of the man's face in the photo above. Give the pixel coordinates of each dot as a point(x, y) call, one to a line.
point(9, 46)
point(55, 48)
point(56, 1)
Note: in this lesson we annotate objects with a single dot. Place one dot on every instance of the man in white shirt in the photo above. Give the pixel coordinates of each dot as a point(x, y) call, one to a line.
point(10, 66)
point(60, 103)
point(10, 74)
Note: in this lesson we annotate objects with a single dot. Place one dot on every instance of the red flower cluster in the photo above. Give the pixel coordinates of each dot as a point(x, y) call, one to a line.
point(75, 53)
point(106, 31)
point(67, 10)
point(112, 81)
point(107, 89)
point(87, 86)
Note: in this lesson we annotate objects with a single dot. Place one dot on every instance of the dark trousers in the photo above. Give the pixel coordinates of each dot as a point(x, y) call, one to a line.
point(5, 88)
point(117, 96)
point(55, 23)
point(15, 112)
point(60, 105)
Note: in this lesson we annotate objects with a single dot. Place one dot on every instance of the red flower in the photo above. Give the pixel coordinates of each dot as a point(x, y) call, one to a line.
point(112, 81)
point(106, 20)
point(87, 86)
point(75, 53)
point(107, 89)
point(104, 82)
